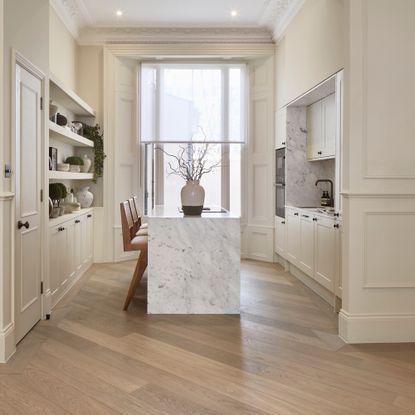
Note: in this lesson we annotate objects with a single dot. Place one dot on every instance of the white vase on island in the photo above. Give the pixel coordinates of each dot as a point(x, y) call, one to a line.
point(193, 198)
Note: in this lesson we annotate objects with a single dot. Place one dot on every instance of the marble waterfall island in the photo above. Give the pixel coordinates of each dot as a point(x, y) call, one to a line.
point(193, 263)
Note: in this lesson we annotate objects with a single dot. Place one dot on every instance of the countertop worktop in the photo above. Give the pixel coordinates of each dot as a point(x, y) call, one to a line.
point(161, 211)
point(328, 212)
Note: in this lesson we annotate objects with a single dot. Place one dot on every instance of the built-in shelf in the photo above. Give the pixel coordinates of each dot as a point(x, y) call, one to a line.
point(63, 175)
point(68, 98)
point(69, 216)
point(67, 136)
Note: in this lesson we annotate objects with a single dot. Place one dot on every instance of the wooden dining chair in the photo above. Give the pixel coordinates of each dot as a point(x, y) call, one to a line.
point(138, 230)
point(136, 204)
point(133, 242)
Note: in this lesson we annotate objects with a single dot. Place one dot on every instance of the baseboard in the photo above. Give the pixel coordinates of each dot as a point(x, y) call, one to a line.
point(368, 328)
point(7, 346)
point(325, 294)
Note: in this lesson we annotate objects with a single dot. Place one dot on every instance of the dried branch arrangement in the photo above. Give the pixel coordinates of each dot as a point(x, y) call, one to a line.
point(191, 162)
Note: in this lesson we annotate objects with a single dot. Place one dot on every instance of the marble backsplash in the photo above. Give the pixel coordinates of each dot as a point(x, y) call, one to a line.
point(301, 174)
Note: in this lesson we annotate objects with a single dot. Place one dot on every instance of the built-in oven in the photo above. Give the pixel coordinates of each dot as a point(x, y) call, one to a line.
point(280, 182)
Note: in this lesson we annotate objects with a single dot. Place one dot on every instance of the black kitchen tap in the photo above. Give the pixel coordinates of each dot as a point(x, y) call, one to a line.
point(331, 189)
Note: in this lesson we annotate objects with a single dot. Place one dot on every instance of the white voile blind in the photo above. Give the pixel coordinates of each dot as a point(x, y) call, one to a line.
point(183, 103)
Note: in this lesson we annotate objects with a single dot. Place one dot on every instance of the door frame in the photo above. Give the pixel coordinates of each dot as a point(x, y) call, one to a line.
point(18, 59)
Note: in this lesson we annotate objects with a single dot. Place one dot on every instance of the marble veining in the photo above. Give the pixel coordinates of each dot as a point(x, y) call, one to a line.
point(302, 174)
point(194, 265)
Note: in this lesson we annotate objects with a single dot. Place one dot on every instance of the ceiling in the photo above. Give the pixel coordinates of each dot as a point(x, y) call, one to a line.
point(94, 21)
point(175, 13)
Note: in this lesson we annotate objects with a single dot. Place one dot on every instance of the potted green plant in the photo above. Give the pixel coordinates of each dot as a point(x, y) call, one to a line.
point(76, 163)
point(57, 192)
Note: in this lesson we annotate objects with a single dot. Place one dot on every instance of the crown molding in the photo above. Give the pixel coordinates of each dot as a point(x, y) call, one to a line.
point(282, 22)
point(110, 35)
point(73, 14)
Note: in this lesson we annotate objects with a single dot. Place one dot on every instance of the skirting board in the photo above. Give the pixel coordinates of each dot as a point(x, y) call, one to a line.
point(366, 328)
point(7, 346)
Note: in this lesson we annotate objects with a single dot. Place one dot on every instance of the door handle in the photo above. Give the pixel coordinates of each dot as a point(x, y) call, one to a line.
point(20, 225)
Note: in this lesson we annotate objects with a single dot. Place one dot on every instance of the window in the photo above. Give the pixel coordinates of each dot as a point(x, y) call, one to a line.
point(186, 105)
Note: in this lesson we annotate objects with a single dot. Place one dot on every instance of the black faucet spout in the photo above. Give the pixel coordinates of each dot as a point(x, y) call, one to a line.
point(331, 187)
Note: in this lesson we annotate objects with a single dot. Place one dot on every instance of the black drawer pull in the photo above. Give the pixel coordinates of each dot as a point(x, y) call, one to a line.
point(77, 221)
point(315, 219)
point(89, 216)
point(296, 214)
point(305, 216)
point(283, 222)
point(319, 152)
point(336, 225)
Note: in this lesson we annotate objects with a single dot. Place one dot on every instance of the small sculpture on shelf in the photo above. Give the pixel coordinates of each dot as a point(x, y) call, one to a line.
point(85, 197)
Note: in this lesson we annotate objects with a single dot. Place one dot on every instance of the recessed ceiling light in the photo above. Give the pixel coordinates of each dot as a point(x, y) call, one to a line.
point(234, 13)
point(119, 13)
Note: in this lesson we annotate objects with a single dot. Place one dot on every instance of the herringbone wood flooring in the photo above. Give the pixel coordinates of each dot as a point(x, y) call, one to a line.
point(282, 356)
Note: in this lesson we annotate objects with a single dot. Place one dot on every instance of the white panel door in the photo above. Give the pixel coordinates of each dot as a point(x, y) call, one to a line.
point(330, 120)
point(306, 257)
point(281, 128)
point(28, 206)
point(280, 236)
point(315, 133)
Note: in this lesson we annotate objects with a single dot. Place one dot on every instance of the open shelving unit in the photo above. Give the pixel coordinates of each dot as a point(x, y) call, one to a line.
point(67, 175)
point(67, 136)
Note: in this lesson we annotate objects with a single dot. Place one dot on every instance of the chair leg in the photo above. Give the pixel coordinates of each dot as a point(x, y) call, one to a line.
point(135, 281)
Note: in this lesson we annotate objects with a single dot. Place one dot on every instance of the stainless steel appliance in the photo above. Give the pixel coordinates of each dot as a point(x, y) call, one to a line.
point(280, 182)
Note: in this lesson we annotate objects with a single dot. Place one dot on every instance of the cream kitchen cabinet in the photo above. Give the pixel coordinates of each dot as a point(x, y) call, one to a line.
point(292, 219)
point(313, 245)
point(321, 128)
point(306, 253)
point(280, 240)
point(281, 128)
point(325, 252)
point(70, 251)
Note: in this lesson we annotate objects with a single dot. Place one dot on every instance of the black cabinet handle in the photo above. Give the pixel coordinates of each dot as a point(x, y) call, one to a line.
point(61, 228)
point(315, 219)
point(283, 222)
point(336, 225)
point(20, 225)
point(283, 143)
point(77, 221)
point(336, 215)
point(89, 216)
point(305, 216)
point(295, 213)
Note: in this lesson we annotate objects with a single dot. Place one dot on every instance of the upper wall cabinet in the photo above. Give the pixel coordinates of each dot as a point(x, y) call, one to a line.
point(281, 130)
point(321, 129)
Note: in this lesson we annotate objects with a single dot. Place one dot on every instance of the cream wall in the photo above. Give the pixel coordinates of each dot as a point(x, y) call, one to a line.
point(311, 49)
point(63, 51)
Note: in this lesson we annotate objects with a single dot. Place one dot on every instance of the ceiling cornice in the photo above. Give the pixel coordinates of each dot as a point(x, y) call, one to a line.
point(105, 35)
point(73, 14)
point(275, 17)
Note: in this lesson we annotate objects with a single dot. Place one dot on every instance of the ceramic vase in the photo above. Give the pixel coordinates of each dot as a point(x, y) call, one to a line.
point(193, 197)
point(85, 197)
point(87, 164)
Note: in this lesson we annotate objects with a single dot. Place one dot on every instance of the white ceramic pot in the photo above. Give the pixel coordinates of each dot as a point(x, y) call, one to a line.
point(75, 168)
point(84, 197)
point(87, 164)
point(193, 197)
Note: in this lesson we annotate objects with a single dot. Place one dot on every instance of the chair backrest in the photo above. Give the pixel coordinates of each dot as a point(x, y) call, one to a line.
point(127, 224)
point(136, 219)
point(135, 203)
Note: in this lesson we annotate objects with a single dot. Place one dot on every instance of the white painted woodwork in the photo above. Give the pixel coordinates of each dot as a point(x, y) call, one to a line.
point(280, 236)
point(325, 251)
point(379, 174)
point(63, 175)
point(28, 207)
point(67, 136)
point(258, 169)
point(70, 252)
point(281, 128)
point(292, 219)
point(321, 128)
point(306, 254)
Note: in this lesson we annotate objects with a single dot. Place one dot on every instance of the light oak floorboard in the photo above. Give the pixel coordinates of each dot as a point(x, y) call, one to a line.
point(281, 356)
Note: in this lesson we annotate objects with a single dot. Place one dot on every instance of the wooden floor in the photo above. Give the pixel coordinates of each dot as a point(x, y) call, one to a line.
point(281, 356)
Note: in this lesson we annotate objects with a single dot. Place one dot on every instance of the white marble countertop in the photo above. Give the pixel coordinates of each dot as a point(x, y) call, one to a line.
point(161, 211)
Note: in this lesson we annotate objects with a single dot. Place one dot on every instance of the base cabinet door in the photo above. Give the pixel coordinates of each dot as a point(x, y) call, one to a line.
point(280, 240)
point(292, 220)
point(325, 253)
point(306, 255)
point(77, 246)
point(90, 237)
